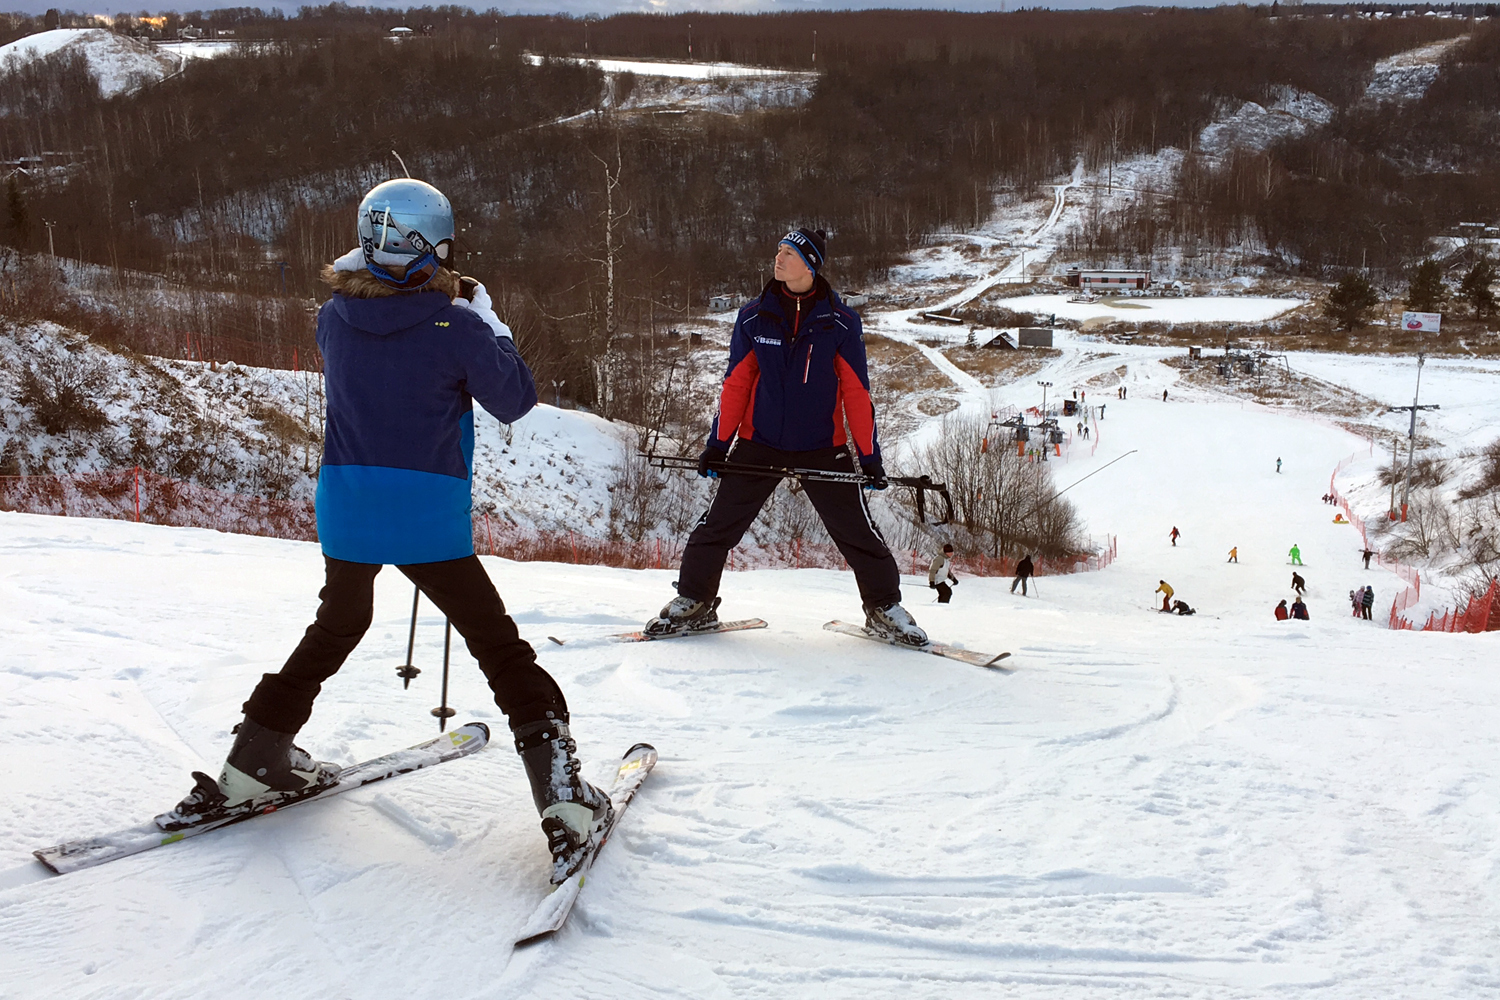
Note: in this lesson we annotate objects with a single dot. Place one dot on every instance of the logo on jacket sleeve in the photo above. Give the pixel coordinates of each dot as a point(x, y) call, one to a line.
point(768, 340)
point(441, 322)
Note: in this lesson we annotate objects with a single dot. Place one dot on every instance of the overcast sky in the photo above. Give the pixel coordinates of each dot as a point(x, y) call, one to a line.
point(580, 7)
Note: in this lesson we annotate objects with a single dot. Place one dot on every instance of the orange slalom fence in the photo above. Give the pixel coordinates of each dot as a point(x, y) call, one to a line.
point(137, 494)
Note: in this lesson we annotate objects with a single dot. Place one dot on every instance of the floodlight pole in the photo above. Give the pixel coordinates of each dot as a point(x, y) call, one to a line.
point(1045, 428)
point(1411, 434)
point(51, 250)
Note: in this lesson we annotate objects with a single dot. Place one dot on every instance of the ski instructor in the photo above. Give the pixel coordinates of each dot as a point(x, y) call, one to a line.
point(796, 373)
point(406, 348)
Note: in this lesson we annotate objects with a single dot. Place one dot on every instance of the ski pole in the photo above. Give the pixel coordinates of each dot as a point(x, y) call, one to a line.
point(443, 712)
point(406, 671)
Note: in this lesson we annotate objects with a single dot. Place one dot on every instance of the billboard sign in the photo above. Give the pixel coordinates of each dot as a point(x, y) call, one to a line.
point(1421, 322)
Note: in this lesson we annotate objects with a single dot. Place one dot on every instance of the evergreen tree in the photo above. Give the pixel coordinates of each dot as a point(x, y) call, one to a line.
point(17, 217)
point(1427, 291)
point(1476, 287)
point(1350, 300)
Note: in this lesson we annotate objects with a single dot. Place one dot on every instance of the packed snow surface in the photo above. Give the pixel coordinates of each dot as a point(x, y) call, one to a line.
point(1217, 806)
point(117, 62)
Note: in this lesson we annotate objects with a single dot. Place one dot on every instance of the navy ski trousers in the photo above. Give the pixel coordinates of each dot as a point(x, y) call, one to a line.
point(738, 501)
point(461, 590)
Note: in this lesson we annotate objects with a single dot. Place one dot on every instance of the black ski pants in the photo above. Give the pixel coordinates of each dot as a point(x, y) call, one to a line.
point(462, 591)
point(945, 593)
point(1018, 580)
point(738, 500)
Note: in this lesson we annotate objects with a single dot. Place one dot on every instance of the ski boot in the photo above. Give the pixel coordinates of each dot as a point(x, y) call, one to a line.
point(684, 614)
point(895, 624)
point(263, 768)
point(574, 813)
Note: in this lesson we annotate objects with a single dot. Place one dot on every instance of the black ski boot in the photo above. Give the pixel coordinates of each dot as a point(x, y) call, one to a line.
point(685, 614)
point(263, 768)
point(574, 813)
point(895, 623)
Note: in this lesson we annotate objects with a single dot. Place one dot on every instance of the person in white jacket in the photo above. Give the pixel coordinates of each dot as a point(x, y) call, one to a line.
point(940, 575)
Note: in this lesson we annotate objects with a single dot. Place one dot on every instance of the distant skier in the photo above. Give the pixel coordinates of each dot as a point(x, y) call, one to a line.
point(1182, 608)
point(796, 373)
point(1165, 590)
point(1175, 535)
point(406, 344)
point(1024, 572)
point(1278, 466)
point(1164, 395)
point(1101, 410)
point(940, 575)
point(1367, 553)
point(1296, 555)
point(1367, 602)
point(1234, 554)
point(1299, 610)
point(1281, 612)
point(1298, 584)
point(1085, 432)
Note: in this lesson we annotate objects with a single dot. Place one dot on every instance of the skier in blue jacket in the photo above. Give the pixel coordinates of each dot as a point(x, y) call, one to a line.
point(407, 346)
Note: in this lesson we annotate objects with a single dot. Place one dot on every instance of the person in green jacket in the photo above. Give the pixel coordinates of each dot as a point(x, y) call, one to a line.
point(1296, 555)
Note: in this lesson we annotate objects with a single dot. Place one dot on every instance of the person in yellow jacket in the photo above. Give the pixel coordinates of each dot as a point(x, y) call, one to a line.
point(1234, 554)
point(1165, 590)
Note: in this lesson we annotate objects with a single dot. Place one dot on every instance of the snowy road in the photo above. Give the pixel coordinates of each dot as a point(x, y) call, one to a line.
point(1219, 806)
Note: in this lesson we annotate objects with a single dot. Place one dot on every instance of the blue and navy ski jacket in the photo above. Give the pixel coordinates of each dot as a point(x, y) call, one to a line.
point(398, 457)
point(792, 388)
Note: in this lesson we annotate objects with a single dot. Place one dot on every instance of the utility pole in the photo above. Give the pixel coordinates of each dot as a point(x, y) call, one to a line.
point(815, 48)
point(283, 265)
point(51, 250)
point(1411, 434)
point(1046, 424)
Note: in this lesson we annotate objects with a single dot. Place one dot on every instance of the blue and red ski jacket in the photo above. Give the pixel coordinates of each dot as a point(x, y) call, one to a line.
point(402, 371)
point(791, 381)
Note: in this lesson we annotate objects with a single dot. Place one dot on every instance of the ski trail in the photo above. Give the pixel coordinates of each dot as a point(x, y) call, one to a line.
point(1015, 267)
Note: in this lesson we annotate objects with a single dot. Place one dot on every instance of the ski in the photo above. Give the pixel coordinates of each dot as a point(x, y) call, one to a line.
point(643, 636)
point(76, 854)
point(552, 912)
point(738, 626)
point(970, 656)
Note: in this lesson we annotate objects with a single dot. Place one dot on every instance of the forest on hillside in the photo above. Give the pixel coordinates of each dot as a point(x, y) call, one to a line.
point(241, 172)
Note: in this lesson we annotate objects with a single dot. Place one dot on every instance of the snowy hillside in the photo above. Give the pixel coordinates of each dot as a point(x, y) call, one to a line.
point(119, 63)
point(1216, 806)
point(67, 405)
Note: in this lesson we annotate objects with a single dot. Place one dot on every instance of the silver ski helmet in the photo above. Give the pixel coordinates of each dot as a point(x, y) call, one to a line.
point(408, 224)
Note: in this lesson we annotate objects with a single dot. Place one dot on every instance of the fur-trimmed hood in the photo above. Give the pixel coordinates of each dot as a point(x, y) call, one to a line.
point(361, 284)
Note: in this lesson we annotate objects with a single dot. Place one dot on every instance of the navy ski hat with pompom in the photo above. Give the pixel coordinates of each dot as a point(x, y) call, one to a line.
point(811, 245)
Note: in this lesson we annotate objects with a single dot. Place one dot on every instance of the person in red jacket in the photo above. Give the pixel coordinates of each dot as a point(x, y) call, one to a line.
point(1281, 612)
point(796, 374)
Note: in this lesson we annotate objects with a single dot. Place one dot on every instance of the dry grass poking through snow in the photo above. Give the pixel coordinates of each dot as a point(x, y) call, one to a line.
point(1277, 387)
point(998, 367)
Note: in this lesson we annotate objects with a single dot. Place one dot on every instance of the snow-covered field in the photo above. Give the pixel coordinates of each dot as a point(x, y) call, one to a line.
point(119, 63)
point(1218, 806)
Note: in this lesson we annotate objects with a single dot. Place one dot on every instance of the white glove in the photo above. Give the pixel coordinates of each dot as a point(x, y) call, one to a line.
point(481, 306)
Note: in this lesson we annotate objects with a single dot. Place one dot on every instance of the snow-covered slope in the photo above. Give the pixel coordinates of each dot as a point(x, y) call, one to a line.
point(259, 431)
point(1215, 806)
point(118, 63)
